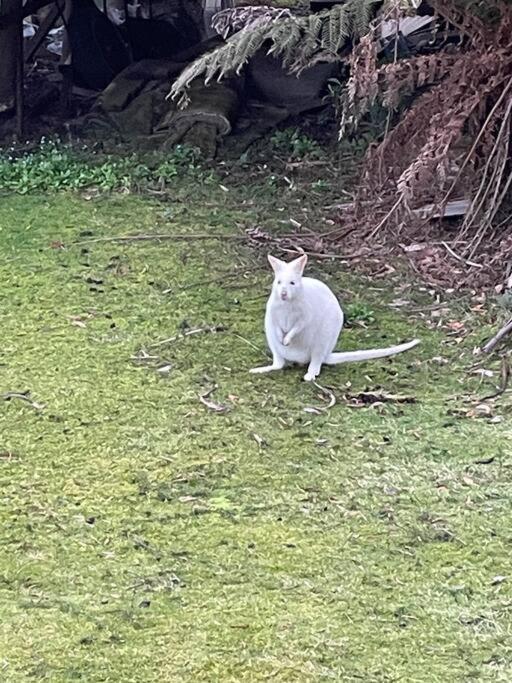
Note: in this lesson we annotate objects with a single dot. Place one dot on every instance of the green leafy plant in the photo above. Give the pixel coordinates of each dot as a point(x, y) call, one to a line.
point(54, 166)
point(320, 185)
point(358, 313)
point(294, 144)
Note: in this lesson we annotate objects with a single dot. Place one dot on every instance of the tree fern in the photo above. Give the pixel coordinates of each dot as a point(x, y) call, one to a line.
point(335, 31)
point(362, 14)
point(284, 42)
point(298, 40)
point(289, 41)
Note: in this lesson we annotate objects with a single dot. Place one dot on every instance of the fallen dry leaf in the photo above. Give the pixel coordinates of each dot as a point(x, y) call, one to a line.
point(259, 440)
point(482, 409)
point(164, 369)
point(413, 247)
point(455, 325)
point(215, 407)
point(326, 395)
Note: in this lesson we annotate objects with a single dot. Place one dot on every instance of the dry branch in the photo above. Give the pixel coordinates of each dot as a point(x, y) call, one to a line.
point(502, 332)
point(188, 333)
point(160, 237)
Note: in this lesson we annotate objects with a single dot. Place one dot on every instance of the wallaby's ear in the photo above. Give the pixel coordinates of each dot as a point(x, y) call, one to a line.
point(275, 263)
point(300, 263)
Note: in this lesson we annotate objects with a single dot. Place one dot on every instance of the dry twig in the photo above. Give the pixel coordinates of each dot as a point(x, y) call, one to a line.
point(494, 341)
point(161, 237)
point(188, 333)
point(22, 396)
point(504, 378)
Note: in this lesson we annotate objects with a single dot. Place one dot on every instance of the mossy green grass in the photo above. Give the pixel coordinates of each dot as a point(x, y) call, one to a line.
point(148, 537)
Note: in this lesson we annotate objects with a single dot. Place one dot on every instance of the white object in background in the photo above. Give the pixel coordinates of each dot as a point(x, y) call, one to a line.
point(57, 38)
point(28, 29)
point(116, 16)
point(115, 10)
point(406, 26)
point(210, 9)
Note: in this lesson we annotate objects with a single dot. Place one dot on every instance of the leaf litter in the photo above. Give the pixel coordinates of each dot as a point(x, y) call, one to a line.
point(211, 405)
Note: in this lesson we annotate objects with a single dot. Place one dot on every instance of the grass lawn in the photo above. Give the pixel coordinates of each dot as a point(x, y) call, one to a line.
point(147, 537)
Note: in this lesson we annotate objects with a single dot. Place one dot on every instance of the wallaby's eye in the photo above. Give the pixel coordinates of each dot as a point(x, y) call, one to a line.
point(292, 283)
point(279, 282)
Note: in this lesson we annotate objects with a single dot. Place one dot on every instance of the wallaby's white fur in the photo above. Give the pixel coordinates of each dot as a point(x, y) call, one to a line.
point(303, 321)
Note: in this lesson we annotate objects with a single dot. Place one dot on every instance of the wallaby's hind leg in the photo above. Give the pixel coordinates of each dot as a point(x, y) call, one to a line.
point(277, 364)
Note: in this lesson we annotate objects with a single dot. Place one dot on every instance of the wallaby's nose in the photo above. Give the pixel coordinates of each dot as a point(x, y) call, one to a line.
point(284, 294)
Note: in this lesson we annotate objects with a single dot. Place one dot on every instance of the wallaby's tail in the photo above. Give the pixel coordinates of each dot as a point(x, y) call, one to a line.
point(369, 354)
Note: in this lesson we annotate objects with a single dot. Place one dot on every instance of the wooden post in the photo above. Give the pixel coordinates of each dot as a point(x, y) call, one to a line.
point(8, 34)
point(20, 74)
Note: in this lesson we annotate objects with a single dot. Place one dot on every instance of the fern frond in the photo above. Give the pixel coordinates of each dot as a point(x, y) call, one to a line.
point(300, 41)
point(228, 58)
point(468, 24)
point(288, 43)
point(361, 16)
point(243, 49)
point(284, 41)
point(235, 19)
point(336, 30)
point(362, 88)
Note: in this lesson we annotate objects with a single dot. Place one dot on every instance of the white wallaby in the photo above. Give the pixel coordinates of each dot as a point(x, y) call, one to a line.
point(303, 321)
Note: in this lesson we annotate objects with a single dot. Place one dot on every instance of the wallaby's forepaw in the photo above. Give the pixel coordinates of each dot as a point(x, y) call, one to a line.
point(309, 377)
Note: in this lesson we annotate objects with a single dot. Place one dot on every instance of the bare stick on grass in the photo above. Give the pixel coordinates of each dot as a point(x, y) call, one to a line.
point(188, 333)
point(502, 332)
point(160, 237)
